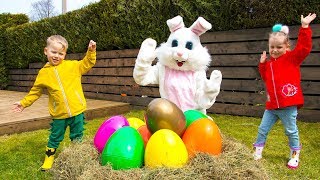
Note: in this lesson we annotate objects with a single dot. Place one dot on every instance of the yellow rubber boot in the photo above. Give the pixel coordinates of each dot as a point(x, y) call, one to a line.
point(48, 160)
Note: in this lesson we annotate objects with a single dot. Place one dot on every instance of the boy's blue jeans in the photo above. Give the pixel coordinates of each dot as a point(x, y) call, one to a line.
point(288, 117)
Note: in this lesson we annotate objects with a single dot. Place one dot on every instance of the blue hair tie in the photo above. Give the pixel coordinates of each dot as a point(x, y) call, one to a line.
point(277, 28)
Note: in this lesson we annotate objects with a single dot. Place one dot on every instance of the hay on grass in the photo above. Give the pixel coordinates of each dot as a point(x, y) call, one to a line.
point(82, 161)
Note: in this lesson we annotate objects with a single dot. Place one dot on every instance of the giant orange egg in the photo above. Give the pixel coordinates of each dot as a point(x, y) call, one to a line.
point(145, 134)
point(204, 136)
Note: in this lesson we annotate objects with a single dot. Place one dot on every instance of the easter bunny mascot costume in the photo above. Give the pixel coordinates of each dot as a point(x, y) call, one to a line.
point(181, 67)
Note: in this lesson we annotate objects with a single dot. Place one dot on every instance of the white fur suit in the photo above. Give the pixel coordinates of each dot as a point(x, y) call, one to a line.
point(181, 67)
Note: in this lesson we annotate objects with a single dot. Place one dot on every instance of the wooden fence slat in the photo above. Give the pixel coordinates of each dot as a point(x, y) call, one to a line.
point(24, 71)
point(237, 47)
point(253, 60)
point(307, 73)
point(22, 77)
point(244, 98)
point(120, 71)
point(242, 85)
point(312, 102)
point(257, 85)
point(311, 87)
point(308, 115)
point(251, 34)
point(236, 72)
point(310, 73)
point(247, 98)
point(125, 53)
point(305, 115)
point(134, 90)
point(119, 62)
point(19, 88)
point(21, 83)
point(128, 99)
point(108, 80)
point(256, 47)
point(37, 65)
point(234, 109)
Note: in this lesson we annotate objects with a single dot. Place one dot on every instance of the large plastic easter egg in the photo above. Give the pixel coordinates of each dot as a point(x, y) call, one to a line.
point(163, 114)
point(107, 128)
point(124, 149)
point(145, 133)
point(193, 115)
point(204, 136)
point(165, 149)
point(135, 122)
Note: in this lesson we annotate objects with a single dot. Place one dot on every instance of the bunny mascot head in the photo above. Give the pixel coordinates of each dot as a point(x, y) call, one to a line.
point(183, 50)
point(181, 67)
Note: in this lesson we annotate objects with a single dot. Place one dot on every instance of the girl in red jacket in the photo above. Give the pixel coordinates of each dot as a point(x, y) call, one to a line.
point(281, 74)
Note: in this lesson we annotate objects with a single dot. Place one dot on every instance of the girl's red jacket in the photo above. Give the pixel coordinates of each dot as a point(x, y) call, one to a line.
point(282, 75)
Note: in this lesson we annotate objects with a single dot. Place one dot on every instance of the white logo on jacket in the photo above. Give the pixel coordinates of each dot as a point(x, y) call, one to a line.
point(289, 90)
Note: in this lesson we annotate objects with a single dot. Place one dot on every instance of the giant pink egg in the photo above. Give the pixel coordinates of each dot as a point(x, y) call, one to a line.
point(107, 128)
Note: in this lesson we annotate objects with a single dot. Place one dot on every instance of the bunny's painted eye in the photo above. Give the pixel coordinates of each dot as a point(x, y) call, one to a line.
point(174, 43)
point(189, 45)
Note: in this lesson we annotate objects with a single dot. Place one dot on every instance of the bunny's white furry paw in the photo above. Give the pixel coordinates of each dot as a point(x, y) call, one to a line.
point(147, 51)
point(216, 77)
point(213, 85)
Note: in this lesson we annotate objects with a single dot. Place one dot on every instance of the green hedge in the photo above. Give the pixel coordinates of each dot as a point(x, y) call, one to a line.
point(122, 24)
point(7, 20)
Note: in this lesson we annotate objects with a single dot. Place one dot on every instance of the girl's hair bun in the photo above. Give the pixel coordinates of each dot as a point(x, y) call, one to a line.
point(280, 28)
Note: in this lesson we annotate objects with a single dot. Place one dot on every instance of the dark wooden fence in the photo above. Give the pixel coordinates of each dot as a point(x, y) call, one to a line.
point(235, 53)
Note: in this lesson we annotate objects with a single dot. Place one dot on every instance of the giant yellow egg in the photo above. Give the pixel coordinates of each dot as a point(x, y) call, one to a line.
point(165, 149)
point(135, 122)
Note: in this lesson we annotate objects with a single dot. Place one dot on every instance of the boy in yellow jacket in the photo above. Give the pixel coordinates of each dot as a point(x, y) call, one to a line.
point(62, 79)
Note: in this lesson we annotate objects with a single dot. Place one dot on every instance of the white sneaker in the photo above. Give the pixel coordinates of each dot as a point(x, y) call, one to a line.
point(294, 160)
point(258, 153)
point(257, 156)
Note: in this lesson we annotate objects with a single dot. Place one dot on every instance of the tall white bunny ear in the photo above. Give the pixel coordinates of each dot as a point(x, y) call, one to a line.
point(175, 23)
point(200, 26)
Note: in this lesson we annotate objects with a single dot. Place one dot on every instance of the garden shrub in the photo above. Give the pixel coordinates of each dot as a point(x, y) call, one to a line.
point(6, 21)
point(122, 24)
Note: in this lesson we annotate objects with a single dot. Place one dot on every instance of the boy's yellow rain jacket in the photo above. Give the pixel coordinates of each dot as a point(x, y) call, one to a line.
point(63, 83)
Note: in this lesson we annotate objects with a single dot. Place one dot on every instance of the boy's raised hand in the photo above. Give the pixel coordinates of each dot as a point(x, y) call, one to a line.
point(92, 46)
point(305, 21)
point(18, 107)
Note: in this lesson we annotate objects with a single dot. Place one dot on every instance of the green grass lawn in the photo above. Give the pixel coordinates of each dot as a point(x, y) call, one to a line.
point(21, 155)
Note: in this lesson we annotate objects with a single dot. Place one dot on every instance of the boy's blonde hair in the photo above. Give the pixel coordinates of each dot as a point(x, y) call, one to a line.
point(59, 39)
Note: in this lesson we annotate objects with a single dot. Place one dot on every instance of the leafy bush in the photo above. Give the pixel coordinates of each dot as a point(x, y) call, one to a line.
point(122, 24)
point(6, 21)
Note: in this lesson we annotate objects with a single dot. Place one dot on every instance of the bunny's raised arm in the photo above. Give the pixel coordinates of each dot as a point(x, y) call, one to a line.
point(144, 73)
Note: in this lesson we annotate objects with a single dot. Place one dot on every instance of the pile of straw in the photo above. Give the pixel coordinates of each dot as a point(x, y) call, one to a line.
point(82, 161)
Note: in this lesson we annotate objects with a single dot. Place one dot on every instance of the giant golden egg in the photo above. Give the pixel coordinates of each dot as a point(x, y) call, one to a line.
point(164, 114)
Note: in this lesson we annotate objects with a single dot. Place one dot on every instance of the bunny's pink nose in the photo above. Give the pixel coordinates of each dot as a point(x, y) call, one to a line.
point(179, 54)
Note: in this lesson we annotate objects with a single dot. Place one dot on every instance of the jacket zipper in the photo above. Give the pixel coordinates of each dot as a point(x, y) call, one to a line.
point(54, 105)
point(274, 85)
point(80, 99)
point(63, 92)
